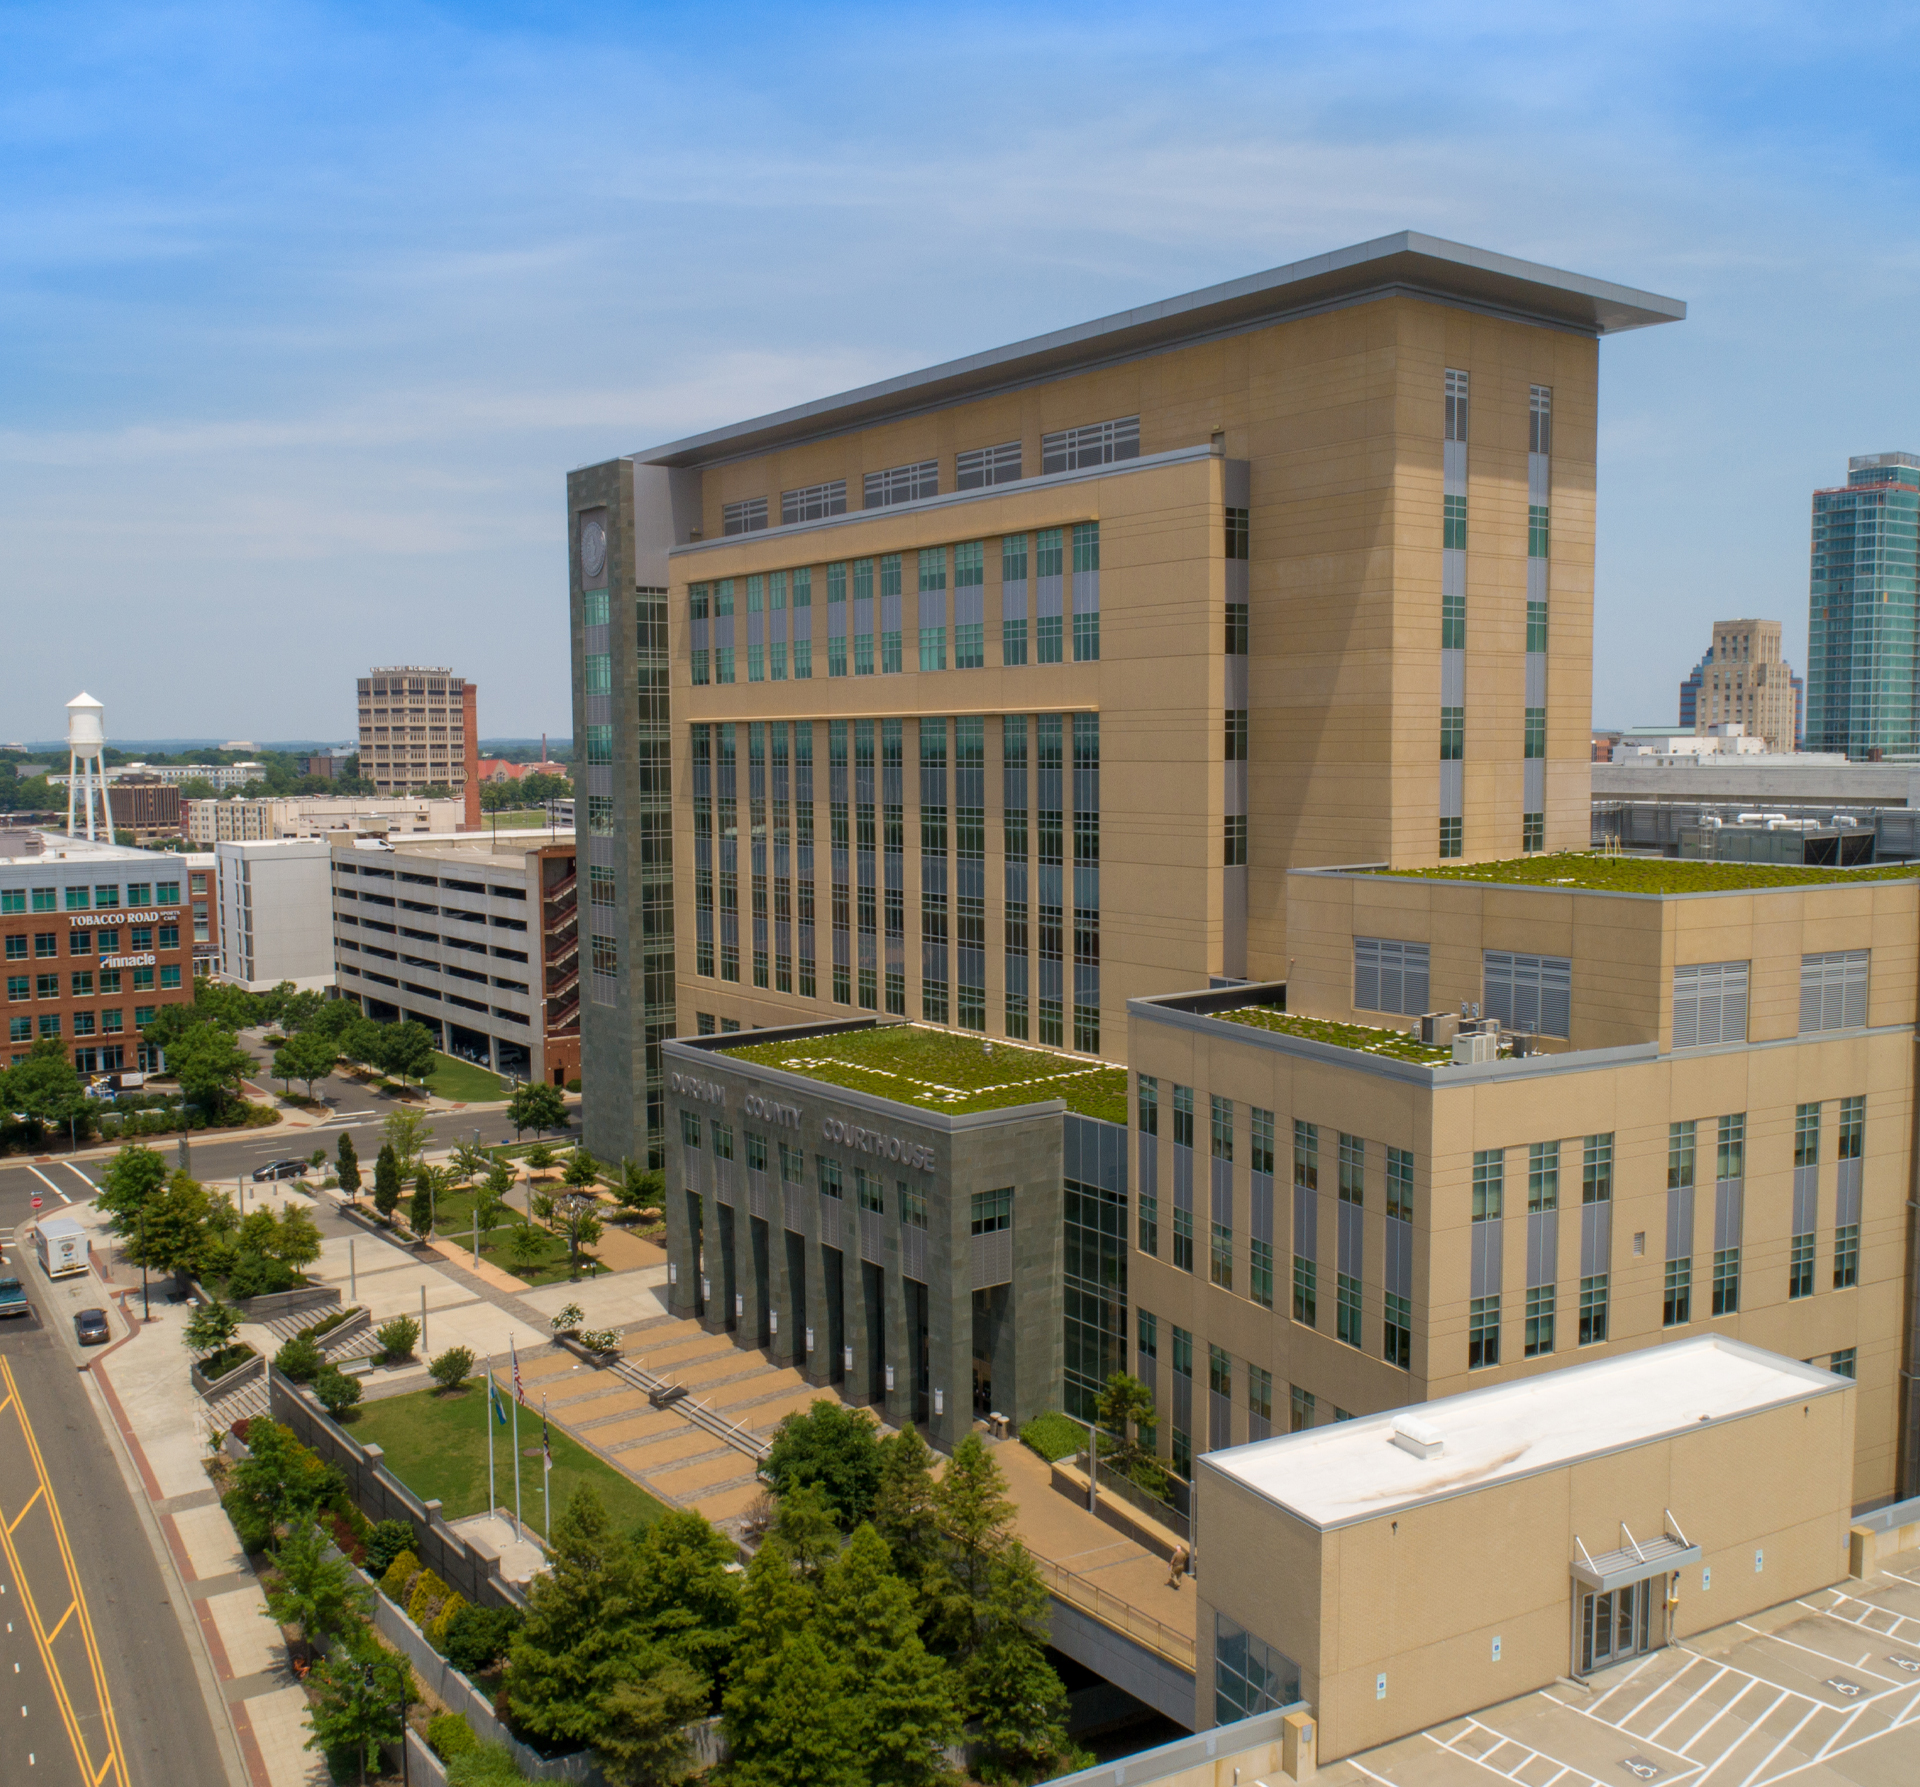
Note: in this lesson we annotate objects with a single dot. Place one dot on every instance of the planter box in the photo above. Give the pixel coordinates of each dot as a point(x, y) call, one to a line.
point(240, 1374)
point(274, 1304)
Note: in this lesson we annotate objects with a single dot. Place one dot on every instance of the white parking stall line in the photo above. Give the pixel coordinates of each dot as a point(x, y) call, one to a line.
point(1653, 1736)
point(1686, 1749)
point(1824, 1656)
point(49, 1184)
point(1626, 1681)
point(1527, 1756)
point(1862, 1622)
point(1760, 1767)
point(1826, 1753)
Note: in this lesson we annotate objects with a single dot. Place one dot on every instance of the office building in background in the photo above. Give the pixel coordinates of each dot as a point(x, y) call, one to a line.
point(1861, 611)
point(419, 728)
point(1745, 680)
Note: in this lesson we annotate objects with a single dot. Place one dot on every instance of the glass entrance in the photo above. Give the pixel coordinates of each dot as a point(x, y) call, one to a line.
point(1614, 1626)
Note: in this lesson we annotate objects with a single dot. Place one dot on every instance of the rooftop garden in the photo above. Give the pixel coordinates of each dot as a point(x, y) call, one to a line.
point(941, 1070)
point(1366, 1038)
point(1647, 874)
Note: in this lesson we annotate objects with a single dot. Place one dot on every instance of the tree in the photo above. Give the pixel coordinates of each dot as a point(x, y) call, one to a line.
point(359, 1690)
point(173, 1234)
point(209, 1065)
point(470, 1162)
point(527, 1245)
point(408, 1134)
point(1124, 1408)
point(363, 1041)
point(834, 1446)
point(905, 1514)
point(210, 1326)
point(640, 1189)
point(538, 1107)
point(300, 1358)
point(580, 1640)
point(409, 1050)
point(317, 1593)
point(581, 1225)
point(386, 1181)
point(306, 1056)
point(805, 1525)
point(339, 1394)
point(643, 1740)
point(684, 1595)
point(490, 1196)
point(420, 1212)
point(349, 1162)
point(295, 1238)
point(131, 1177)
point(398, 1337)
point(281, 1483)
point(975, 1518)
point(452, 1368)
point(583, 1171)
point(908, 1708)
point(43, 1088)
point(776, 1607)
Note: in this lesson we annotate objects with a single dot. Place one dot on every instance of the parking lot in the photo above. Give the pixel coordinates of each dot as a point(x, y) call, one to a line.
point(1821, 1691)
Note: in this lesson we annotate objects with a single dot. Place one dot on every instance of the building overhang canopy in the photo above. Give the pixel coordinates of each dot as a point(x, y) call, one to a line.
point(1634, 1563)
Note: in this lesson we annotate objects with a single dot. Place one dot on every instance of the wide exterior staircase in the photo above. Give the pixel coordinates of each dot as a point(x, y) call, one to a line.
point(351, 1341)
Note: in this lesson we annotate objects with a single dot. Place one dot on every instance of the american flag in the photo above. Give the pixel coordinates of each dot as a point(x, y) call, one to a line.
point(519, 1389)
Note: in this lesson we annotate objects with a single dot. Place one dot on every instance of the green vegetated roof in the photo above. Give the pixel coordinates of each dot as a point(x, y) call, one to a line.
point(1366, 1038)
point(1647, 874)
point(940, 1070)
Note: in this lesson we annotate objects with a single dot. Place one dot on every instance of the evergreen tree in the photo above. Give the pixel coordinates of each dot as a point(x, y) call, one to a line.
point(906, 1702)
point(684, 1594)
point(420, 1210)
point(803, 1732)
point(580, 1639)
point(349, 1165)
point(975, 1515)
point(386, 1181)
point(1007, 1683)
point(904, 1513)
point(775, 1606)
point(644, 1742)
point(806, 1527)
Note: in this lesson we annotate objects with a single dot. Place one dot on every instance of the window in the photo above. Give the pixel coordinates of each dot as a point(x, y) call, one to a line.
point(1306, 1155)
point(1844, 1361)
point(44, 898)
point(1593, 1309)
point(756, 1153)
point(1259, 1402)
point(1453, 523)
point(1183, 1116)
point(1346, 1310)
point(1400, 1184)
point(1489, 1183)
point(1853, 1127)
point(1234, 848)
point(47, 986)
point(992, 1211)
point(1249, 1676)
point(1220, 1257)
point(1306, 1289)
point(13, 899)
point(979, 467)
point(814, 502)
point(50, 1026)
point(1846, 1256)
point(1530, 994)
point(142, 1016)
point(1732, 1160)
point(1234, 747)
point(1261, 1124)
point(1299, 1409)
point(1536, 530)
point(20, 1029)
point(1389, 975)
point(1353, 1169)
point(1182, 1239)
point(1726, 1281)
point(1220, 1124)
point(106, 896)
point(689, 1129)
point(599, 673)
point(1538, 1335)
point(17, 946)
point(1098, 443)
point(1709, 1004)
point(1533, 831)
point(1543, 1176)
point(745, 517)
point(1237, 533)
point(1596, 1169)
point(1806, 1135)
point(902, 484)
point(871, 1192)
point(1456, 405)
point(1833, 991)
point(1800, 1266)
point(1483, 1332)
point(1260, 1272)
point(1540, 419)
point(19, 987)
point(1451, 841)
point(1536, 732)
point(1397, 1333)
point(1536, 626)
point(1236, 642)
point(169, 976)
point(1453, 734)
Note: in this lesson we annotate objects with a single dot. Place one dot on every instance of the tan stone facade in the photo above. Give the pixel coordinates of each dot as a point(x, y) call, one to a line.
point(1749, 683)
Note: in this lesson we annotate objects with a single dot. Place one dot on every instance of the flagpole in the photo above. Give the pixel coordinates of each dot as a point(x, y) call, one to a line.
point(492, 1500)
point(518, 1533)
point(546, 1471)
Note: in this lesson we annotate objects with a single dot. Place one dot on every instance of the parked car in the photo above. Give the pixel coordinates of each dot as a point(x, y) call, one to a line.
point(91, 1327)
point(13, 1297)
point(281, 1169)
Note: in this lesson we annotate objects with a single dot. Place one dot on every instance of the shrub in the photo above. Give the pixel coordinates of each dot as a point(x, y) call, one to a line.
point(338, 1393)
point(387, 1540)
point(429, 1592)
point(254, 1275)
point(398, 1337)
point(250, 1524)
point(327, 1323)
point(216, 1365)
point(449, 1612)
point(478, 1637)
point(398, 1581)
point(491, 1765)
point(540, 1157)
point(452, 1368)
point(239, 1428)
point(1053, 1435)
point(601, 1340)
point(573, 1085)
point(449, 1735)
point(349, 1541)
point(568, 1320)
point(300, 1359)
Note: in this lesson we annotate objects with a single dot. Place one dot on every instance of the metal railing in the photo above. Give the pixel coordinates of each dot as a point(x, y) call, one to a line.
point(1124, 1489)
point(706, 1419)
point(1117, 1615)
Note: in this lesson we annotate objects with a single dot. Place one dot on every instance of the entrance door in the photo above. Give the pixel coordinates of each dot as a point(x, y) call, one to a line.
point(1614, 1626)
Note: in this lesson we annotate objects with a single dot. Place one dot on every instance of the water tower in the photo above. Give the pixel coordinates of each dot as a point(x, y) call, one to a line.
point(86, 778)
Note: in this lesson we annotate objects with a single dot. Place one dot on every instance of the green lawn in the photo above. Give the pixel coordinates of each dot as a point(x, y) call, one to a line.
point(1648, 874)
point(453, 1222)
point(940, 1070)
point(437, 1446)
point(520, 819)
point(453, 1078)
point(1366, 1038)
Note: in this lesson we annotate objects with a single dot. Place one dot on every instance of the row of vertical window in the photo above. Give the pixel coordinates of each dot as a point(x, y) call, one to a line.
point(104, 897)
point(85, 1023)
point(1453, 531)
point(977, 468)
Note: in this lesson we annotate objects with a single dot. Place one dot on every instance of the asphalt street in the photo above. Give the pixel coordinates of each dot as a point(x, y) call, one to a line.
point(97, 1685)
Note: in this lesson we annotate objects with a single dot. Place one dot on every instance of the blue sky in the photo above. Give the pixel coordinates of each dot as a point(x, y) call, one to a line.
point(305, 310)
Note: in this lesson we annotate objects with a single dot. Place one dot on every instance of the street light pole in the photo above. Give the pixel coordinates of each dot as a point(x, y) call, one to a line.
point(146, 1305)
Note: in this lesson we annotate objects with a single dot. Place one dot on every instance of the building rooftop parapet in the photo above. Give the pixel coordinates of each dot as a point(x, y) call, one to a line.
point(1633, 877)
point(942, 1073)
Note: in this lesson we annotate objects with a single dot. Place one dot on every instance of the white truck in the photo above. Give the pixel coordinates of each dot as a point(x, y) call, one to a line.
point(62, 1246)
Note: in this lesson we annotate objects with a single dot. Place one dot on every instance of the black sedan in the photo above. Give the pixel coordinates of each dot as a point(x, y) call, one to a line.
point(281, 1169)
point(91, 1327)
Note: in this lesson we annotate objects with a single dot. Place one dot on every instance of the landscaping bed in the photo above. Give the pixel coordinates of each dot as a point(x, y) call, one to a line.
point(1648, 874)
point(1366, 1038)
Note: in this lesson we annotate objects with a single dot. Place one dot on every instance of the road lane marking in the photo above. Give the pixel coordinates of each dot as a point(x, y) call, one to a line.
point(113, 1760)
point(76, 1172)
point(49, 1184)
point(24, 1512)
